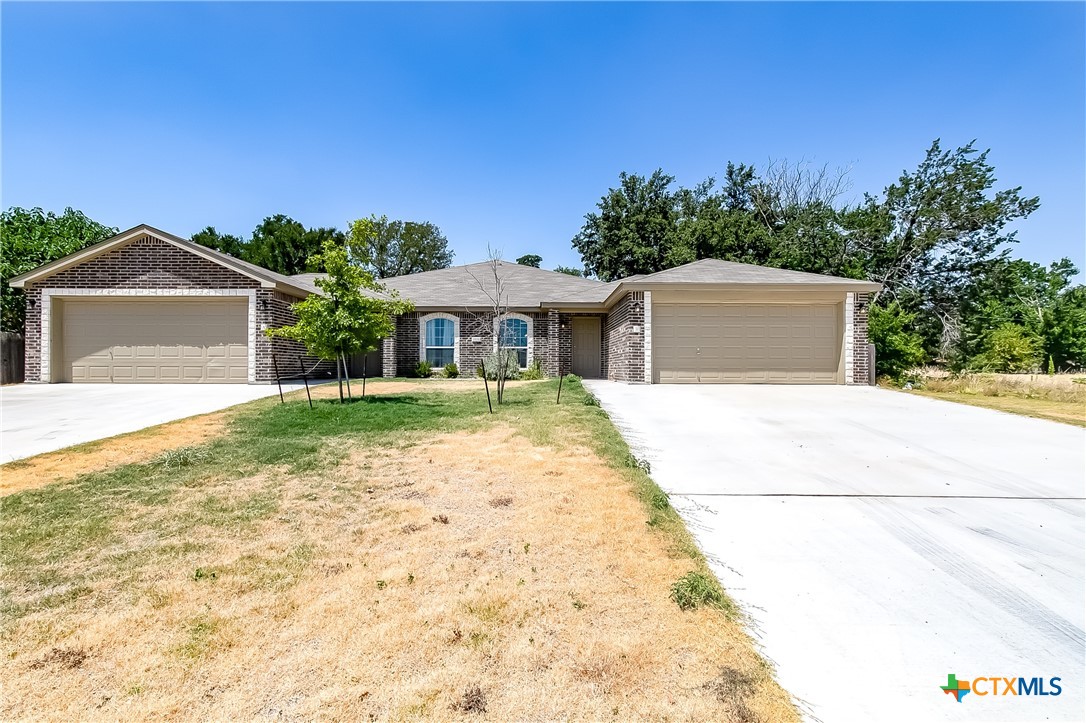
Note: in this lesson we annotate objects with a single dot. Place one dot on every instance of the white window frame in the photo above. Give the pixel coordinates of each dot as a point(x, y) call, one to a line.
point(456, 334)
point(530, 355)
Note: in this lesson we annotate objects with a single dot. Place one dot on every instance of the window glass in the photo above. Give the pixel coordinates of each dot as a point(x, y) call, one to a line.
point(439, 332)
point(514, 336)
point(439, 357)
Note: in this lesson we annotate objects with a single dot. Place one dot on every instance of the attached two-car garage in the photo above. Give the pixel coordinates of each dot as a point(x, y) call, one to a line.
point(747, 343)
point(140, 340)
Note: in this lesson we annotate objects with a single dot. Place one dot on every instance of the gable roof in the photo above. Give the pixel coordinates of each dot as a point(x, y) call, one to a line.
point(467, 286)
point(716, 271)
point(269, 279)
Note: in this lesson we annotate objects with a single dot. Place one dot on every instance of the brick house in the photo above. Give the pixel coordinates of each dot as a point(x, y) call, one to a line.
point(146, 306)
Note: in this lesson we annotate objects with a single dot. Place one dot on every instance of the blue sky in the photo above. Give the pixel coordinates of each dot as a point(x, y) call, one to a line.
point(504, 124)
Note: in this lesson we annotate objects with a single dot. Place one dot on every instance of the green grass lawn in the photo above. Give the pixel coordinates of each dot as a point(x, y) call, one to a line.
point(55, 522)
point(208, 545)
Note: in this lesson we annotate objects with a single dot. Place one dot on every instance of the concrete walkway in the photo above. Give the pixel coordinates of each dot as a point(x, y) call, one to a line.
point(880, 541)
point(37, 418)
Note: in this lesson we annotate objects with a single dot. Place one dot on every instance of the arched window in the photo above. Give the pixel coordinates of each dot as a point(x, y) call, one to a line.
point(514, 337)
point(439, 341)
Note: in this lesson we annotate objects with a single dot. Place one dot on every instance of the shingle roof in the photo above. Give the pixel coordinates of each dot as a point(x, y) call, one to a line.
point(715, 271)
point(467, 286)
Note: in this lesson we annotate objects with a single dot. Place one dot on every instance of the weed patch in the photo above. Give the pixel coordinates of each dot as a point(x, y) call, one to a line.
point(697, 589)
point(472, 701)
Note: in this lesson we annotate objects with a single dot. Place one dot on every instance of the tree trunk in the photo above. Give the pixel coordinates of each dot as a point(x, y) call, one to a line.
point(346, 374)
point(339, 380)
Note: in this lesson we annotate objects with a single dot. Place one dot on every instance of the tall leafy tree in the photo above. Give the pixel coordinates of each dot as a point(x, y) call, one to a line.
point(634, 229)
point(226, 243)
point(33, 237)
point(1040, 304)
point(351, 315)
point(285, 246)
point(533, 260)
point(569, 271)
point(936, 230)
point(397, 248)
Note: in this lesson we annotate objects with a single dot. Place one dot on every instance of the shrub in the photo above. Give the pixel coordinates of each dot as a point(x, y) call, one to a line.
point(451, 370)
point(424, 369)
point(534, 370)
point(897, 347)
point(507, 362)
point(696, 589)
point(1008, 348)
point(660, 501)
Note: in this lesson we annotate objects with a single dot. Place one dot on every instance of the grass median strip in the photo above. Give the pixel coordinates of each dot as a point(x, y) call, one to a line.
point(406, 556)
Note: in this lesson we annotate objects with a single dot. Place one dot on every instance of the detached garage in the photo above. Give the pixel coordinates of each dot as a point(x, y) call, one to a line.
point(147, 307)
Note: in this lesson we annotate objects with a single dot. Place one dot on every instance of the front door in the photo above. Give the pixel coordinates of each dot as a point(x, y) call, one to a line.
point(586, 346)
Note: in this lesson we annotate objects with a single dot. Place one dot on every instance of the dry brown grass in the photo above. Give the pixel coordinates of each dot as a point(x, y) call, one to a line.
point(1057, 397)
point(1054, 387)
point(1066, 412)
point(392, 586)
point(45, 469)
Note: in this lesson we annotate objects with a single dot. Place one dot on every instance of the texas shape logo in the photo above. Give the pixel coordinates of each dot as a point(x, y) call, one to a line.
point(955, 687)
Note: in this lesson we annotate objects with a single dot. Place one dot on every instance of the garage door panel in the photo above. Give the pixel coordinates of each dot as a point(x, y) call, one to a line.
point(746, 343)
point(148, 341)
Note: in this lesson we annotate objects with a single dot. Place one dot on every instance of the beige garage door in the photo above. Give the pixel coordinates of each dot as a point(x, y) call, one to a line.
point(746, 343)
point(145, 341)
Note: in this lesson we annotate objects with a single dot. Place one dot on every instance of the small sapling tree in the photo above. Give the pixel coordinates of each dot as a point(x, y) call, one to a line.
point(502, 364)
point(351, 315)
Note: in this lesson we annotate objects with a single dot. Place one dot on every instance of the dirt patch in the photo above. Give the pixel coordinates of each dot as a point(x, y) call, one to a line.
point(61, 658)
point(555, 607)
point(45, 469)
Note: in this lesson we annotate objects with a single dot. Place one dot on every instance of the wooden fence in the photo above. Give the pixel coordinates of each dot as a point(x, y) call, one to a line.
point(11, 357)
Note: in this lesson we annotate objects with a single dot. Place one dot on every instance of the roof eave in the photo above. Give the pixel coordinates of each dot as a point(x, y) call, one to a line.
point(104, 246)
point(843, 284)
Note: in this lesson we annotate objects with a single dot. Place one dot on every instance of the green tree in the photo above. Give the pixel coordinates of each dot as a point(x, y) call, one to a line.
point(897, 347)
point(397, 248)
point(532, 260)
point(569, 271)
point(285, 246)
point(1065, 342)
point(350, 316)
point(934, 231)
point(226, 243)
point(633, 231)
point(722, 224)
point(1008, 348)
point(33, 237)
point(1043, 301)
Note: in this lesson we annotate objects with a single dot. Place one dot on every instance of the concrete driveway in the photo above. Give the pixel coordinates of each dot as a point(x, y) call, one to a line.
point(880, 541)
point(37, 418)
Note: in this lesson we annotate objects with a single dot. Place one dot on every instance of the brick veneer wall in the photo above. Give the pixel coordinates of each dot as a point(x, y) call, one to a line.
point(861, 362)
point(626, 339)
point(273, 310)
point(558, 358)
point(404, 351)
point(150, 263)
